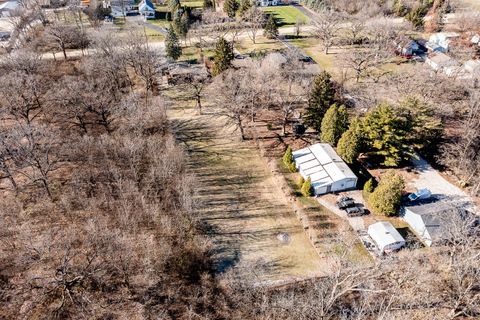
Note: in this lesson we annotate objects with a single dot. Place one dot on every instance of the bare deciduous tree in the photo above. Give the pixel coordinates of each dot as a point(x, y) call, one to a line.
point(326, 28)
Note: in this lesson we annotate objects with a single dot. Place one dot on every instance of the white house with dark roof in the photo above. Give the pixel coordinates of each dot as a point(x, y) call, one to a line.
point(431, 221)
point(147, 9)
point(327, 171)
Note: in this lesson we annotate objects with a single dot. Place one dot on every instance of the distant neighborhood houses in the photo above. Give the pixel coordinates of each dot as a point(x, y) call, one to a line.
point(266, 3)
point(435, 53)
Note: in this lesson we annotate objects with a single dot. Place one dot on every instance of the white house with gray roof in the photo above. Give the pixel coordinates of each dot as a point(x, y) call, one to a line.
point(431, 221)
point(327, 171)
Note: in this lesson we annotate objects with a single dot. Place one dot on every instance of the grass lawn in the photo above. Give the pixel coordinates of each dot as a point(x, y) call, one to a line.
point(246, 46)
point(192, 54)
point(154, 35)
point(160, 22)
point(286, 15)
point(193, 4)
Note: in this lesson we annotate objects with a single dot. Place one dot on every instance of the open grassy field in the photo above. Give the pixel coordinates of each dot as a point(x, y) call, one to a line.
point(473, 4)
point(286, 15)
point(246, 45)
point(154, 35)
point(239, 202)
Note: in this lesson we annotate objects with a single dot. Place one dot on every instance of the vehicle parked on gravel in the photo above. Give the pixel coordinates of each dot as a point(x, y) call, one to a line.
point(355, 211)
point(345, 202)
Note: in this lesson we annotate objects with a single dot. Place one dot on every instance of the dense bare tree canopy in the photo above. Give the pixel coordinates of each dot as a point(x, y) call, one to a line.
point(100, 216)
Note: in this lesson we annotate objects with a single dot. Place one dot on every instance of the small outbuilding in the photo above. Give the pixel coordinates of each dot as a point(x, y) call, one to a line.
point(472, 66)
point(386, 236)
point(9, 8)
point(327, 171)
point(476, 39)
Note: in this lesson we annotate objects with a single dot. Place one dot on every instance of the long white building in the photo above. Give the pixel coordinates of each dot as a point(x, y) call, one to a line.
point(327, 171)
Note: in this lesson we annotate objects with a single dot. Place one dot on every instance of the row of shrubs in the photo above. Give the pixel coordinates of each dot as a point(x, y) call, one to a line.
point(305, 185)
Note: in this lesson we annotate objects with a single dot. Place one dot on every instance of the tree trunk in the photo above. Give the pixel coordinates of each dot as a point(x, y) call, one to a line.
point(199, 104)
point(64, 51)
point(240, 126)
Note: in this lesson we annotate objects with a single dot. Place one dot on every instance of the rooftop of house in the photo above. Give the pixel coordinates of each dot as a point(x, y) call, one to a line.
point(437, 216)
point(442, 59)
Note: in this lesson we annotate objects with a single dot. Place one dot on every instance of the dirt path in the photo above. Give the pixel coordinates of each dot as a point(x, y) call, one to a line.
point(240, 203)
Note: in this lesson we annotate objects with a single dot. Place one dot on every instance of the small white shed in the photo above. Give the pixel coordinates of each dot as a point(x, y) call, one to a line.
point(327, 171)
point(386, 236)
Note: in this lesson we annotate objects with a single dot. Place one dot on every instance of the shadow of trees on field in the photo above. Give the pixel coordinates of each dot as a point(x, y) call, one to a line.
point(232, 203)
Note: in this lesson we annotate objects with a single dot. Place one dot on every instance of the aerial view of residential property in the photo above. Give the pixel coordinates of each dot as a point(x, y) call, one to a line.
point(240, 159)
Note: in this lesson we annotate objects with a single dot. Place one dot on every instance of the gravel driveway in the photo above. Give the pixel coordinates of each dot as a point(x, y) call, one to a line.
point(429, 178)
point(329, 200)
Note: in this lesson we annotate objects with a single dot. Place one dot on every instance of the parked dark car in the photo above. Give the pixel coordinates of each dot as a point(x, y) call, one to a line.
point(355, 211)
point(345, 203)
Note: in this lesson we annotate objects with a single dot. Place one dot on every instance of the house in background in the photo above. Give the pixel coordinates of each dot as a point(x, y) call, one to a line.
point(146, 9)
point(327, 171)
point(440, 42)
point(431, 221)
point(408, 48)
point(385, 236)
point(266, 3)
point(9, 8)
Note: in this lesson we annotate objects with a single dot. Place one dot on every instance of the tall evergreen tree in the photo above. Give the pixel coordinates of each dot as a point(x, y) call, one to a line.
point(334, 124)
point(244, 6)
point(425, 128)
point(307, 190)
point(172, 47)
point(173, 6)
point(181, 23)
point(386, 198)
point(271, 29)
point(288, 160)
point(351, 142)
point(386, 134)
point(230, 7)
point(321, 97)
point(208, 4)
point(223, 56)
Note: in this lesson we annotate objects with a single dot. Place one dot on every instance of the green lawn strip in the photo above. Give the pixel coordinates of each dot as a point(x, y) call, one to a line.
point(192, 54)
point(286, 15)
point(154, 35)
point(160, 23)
